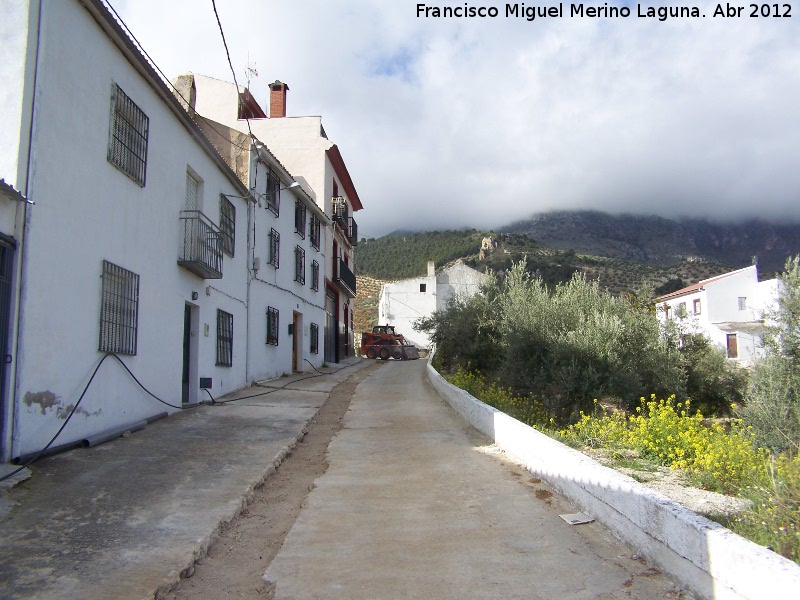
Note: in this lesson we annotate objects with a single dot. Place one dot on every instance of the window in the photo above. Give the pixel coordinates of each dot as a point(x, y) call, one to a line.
point(224, 338)
point(190, 202)
point(315, 276)
point(316, 232)
point(227, 224)
point(314, 338)
point(742, 303)
point(696, 306)
point(423, 287)
point(680, 312)
point(300, 218)
point(127, 143)
point(273, 193)
point(272, 326)
point(119, 310)
point(300, 265)
point(274, 248)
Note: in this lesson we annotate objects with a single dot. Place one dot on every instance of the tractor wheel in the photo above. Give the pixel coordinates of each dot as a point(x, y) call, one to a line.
point(372, 353)
point(397, 353)
point(384, 354)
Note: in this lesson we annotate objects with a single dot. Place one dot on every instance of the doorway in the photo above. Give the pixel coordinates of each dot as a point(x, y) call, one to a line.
point(297, 342)
point(190, 352)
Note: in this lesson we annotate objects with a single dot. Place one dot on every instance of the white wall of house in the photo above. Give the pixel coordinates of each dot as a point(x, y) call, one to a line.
point(16, 82)
point(300, 145)
point(278, 287)
point(403, 302)
point(87, 211)
point(728, 309)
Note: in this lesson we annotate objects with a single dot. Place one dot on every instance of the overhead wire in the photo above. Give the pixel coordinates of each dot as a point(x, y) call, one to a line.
point(167, 81)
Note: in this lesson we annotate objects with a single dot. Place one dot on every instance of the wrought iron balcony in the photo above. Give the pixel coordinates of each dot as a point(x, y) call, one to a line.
point(344, 278)
point(349, 227)
point(201, 248)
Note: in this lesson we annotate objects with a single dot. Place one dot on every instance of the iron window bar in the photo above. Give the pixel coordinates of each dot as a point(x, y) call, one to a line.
point(315, 276)
point(300, 265)
point(272, 325)
point(274, 248)
point(300, 218)
point(227, 225)
point(314, 338)
point(119, 310)
point(127, 144)
point(224, 338)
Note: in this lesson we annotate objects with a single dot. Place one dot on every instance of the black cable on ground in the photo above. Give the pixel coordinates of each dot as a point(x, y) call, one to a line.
point(74, 408)
point(141, 385)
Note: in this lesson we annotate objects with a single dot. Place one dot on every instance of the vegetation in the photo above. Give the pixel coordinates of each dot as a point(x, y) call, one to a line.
point(773, 398)
point(546, 355)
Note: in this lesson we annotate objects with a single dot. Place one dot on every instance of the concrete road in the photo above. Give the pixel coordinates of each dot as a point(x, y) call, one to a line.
point(415, 505)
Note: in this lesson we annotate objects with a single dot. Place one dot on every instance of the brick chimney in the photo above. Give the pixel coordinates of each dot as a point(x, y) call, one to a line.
point(277, 99)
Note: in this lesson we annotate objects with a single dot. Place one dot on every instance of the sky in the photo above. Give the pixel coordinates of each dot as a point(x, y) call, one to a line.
point(479, 122)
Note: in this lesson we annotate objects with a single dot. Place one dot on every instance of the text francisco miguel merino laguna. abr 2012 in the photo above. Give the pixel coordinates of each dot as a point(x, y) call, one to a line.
point(604, 11)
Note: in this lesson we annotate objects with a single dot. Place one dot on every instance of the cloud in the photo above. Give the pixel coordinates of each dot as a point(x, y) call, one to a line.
point(482, 121)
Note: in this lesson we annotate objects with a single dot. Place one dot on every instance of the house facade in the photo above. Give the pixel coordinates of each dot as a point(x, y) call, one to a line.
point(131, 246)
point(727, 309)
point(302, 146)
point(403, 302)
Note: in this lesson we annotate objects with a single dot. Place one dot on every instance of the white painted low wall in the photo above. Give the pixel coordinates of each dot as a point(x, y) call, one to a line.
point(709, 559)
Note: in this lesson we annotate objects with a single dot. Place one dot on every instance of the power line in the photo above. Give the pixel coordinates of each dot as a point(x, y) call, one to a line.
point(166, 80)
point(233, 71)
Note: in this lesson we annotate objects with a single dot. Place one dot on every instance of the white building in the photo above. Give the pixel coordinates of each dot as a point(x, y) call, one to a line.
point(123, 230)
point(403, 302)
point(301, 144)
point(728, 309)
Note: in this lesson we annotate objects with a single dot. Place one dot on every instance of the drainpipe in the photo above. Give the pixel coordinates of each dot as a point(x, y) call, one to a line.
point(20, 267)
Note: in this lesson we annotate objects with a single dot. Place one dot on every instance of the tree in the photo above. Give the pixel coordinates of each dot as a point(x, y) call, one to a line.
point(772, 408)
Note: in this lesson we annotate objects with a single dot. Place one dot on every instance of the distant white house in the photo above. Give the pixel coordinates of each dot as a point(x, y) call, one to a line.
point(728, 309)
point(403, 302)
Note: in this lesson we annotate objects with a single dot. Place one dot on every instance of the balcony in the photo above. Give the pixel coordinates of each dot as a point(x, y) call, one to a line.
point(349, 227)
point(201, 246)
point(344, 278)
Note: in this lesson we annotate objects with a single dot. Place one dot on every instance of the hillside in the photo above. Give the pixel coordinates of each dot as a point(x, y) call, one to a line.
point(657, 241)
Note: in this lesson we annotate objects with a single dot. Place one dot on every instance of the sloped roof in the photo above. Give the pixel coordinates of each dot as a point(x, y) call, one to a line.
point(697, 286)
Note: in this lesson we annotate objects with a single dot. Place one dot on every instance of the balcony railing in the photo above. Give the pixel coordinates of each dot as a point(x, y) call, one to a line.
point(201, 247)
point(349, 227)
point(344, 278)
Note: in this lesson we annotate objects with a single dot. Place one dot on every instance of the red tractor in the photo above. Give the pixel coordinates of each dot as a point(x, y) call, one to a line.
point(384, 343)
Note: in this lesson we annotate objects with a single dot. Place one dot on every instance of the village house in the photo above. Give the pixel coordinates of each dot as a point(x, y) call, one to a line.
point(134, 248)
point(403, 302)
point(728, 309)
point(301, 144)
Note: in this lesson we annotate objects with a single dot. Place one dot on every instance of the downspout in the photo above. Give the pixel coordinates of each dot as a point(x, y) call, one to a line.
point(21, 264)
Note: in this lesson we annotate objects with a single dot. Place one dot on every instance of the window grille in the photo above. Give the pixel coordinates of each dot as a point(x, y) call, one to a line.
point(314, 338)
point(316, 232)
point(127, 144)
point(119, 310)
point(300, 265)
point(300, 218)
point(272, 325)
point(742, 302)
point(274, 248)
point(315, 276)
point(224, 338)
point(227, 224)
point(696, 306)
point(273, 193)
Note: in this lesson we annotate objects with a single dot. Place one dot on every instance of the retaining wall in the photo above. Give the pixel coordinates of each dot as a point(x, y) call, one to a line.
point(709, 559)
